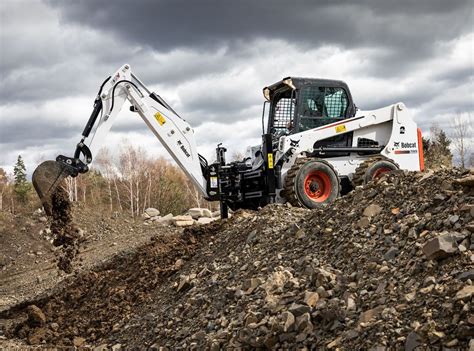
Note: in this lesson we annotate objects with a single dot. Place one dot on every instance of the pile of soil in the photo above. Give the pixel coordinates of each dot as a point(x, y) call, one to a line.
point(389, 266)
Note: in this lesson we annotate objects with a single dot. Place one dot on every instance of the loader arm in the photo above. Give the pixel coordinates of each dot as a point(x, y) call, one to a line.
point(174, 133)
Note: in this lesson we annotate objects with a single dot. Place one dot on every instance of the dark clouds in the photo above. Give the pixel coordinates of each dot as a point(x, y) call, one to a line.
point(406, 28)
point(210, 60)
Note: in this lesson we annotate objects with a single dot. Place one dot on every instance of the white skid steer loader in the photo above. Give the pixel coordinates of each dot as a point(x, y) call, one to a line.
point(315, 144)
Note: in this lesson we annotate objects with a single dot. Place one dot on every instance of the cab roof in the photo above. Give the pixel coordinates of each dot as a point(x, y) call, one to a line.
point(298, 82)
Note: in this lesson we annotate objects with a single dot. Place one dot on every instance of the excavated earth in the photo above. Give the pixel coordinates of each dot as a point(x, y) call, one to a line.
point(389, 266)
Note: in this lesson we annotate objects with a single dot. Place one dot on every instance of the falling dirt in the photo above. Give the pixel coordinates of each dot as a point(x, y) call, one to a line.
point(66, 234)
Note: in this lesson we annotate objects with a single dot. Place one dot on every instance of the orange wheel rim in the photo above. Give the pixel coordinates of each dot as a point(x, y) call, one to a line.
point(317, 186)
point(381, 171)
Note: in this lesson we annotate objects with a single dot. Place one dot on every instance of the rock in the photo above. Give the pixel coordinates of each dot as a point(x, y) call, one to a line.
point(288, 320)
point(311, 298)
point(412, 342)
point(152, 212)
point(165, 220)
point(184, 223)
point(179, 264)
point(196, 212)
point(439, 248)
point(372, 210)
point(38, 336)
point(453, 219)
point(391, 253)
point(36, 317)
point(298, 310)
point(43, 219)
point(303, 323)
point(182, 218)
point(252, 237)
point(367, 316)
point(117, 347)
point(466, 275)
point(364, 222)
point(101, 347)
point(78, 341)
point(185, 282)
point(466, 181)
point(206, 213)
point(205, 220)
point(465, 293)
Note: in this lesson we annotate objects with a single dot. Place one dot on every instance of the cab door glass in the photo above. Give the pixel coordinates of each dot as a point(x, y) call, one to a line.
point(320, 106)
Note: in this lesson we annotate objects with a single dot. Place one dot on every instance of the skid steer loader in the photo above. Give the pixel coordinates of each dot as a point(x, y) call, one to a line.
point(315, 144)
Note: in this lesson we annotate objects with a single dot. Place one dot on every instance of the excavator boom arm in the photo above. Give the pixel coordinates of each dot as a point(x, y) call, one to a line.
point(174, 133)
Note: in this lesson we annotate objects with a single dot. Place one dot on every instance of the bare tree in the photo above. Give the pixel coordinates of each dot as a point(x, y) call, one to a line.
point(103, 161)
point(461, 126)
point(3, 186)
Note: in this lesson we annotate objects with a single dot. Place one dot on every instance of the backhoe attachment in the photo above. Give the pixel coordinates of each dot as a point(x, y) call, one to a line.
point(50, 174)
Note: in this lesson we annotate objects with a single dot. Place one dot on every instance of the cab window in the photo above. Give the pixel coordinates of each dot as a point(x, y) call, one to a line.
point(320, 106)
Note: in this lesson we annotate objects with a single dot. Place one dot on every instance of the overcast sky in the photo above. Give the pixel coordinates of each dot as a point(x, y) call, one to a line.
point(210, 59)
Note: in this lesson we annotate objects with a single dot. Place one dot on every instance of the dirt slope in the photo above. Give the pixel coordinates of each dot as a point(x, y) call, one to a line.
point(388, 266)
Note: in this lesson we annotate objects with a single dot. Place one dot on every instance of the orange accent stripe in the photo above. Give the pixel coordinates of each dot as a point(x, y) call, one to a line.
point(420, 150)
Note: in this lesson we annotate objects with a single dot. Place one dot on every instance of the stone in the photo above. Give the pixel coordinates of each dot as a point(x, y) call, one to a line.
point(453, 219)
point(195, 213)
point(439, 248)
point(38, 336)
point(152, 212)
point(182, 218)
point(206, 213)
point(184, 223)
point(391, 253)
point(298, 310)
point(205, 220)
point(252, 237)
point(368, 315)
point(364, 222)
point(78, 341)
point(412, 342)
point(184, 283)
point(165, 220)
point(465, 293)
point(466, 181)
point(303, 323)
point(372, 210)
point(311, 298)
point(36, 316)
point(288, 320)
point(117, 347)
point(466, 275)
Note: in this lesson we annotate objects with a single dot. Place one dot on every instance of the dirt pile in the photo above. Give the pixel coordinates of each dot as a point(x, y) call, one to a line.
point(389, 266)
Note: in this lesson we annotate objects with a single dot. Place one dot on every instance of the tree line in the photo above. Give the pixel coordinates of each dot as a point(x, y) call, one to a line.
point(127, 183)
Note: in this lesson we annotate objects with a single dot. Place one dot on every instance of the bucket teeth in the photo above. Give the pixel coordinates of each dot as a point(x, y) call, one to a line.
point(46, 177)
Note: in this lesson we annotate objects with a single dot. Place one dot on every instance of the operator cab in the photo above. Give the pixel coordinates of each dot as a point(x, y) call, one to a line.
point(300, 104)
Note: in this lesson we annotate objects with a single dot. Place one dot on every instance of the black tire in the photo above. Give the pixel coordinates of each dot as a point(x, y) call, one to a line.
point(373, 168)
point(311, 183)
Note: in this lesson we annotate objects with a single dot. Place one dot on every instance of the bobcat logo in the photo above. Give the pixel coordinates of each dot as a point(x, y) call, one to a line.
point(396, 144)
point(294, 143)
